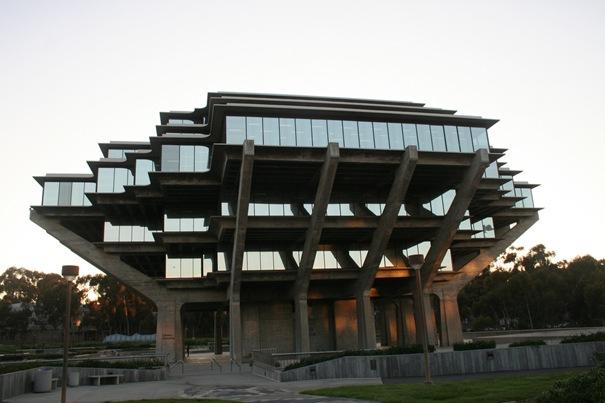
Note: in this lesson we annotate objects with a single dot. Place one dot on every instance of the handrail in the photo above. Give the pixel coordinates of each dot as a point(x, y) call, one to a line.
point(232, 361)
point(213, 362)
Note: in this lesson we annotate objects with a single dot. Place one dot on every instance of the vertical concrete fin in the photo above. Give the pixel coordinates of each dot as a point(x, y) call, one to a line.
point(239, 242)
point(464, 194)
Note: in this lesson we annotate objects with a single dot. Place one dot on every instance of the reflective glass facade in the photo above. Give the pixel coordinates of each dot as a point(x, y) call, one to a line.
point(173, 224)
point(113, 180)
point(126, 233)
point(526, 193)
point(67, 193)
point(178, 158)
point(142, 169)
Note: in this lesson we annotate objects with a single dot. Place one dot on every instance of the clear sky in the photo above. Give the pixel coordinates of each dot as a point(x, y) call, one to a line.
point(73, 74)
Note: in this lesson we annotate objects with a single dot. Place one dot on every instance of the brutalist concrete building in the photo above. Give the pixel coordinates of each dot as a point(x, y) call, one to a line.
point(292, 217)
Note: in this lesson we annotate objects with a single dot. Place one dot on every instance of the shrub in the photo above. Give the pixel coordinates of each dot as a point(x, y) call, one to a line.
point(475, 345)
point(14, 367)
point(582, 338)
point(528, 343)
point(130, 364)
point(7, 349)
point(587, 387)
point(411, 349)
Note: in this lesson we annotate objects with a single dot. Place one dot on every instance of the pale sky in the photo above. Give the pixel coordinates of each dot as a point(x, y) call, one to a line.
point(73, 74)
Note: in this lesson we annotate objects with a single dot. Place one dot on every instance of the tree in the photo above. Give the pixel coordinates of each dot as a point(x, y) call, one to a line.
point(19, 285)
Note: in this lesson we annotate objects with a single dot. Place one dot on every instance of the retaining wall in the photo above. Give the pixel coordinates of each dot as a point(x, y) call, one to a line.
point(17, 383)
point(446, 363)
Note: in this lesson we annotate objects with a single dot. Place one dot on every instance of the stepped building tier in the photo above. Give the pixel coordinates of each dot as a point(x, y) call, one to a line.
point(292, 218)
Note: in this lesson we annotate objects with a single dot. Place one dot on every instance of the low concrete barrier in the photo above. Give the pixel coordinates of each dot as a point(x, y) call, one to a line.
point(17, 383)
point(445, 363)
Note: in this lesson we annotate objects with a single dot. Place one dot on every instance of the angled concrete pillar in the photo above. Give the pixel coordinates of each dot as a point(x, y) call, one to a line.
point(237, 257)
point(443, 240)
point(451, 325)
point(380, 239)
point(169, 330)
point(312, 238)
point(218, 332)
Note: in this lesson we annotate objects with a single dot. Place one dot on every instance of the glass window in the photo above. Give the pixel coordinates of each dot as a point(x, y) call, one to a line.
point(254, 129)
point(142, 169)
point(395, 136)
point(438, 138)
point(253, 260)
point(77, 194)
point(528, 202)
point(138, 234)
point(409, 135)
point(113, 153)
point(345, 209)
point(186, 267)
point(330, 261)
point(437, 206)
point(424, 138)
point(89, 187)
point(186, 224)
point(320, 133)
point(350, 134)
point(466, 143)
point(50, 197)
point(278, 264)
point(271, 131)
point(266, 260)
point(125, 233)
point(488, 228)
point(287, 133)
point(111, 233)
point(276, 209)
point(335, 132)
point(261, 209)
point(451, 139)
point(105, 180)
point(319, 262)
point(171, 224)
point(122, 177)
point(333, 209)
point(492, 170)
point(201, 159)
point(366, 135)
point(303, 132)
point(381, 135)
point(448, 198)
point(186, 159)
point(170, 158)
point(479, 135)
point(236, 129)
point(374, 208)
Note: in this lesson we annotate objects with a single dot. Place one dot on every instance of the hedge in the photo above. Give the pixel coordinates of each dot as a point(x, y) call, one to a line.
point(528, 343)
point(475, 345)
point(599, 336)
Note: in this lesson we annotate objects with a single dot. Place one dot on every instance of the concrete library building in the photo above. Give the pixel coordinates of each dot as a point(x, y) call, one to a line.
point(291, 218)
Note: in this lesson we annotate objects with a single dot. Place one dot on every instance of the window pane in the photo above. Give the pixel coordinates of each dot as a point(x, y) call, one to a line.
point(50, 196)
point(479, 135)
point(374, 208)
point(437, 206)
point(335, 132)
point(170, 158)
point(448, 198)
point(111, 233)
point(187, 224)
point(64, 193)
point(186, 161)
point(350, 134)
point(451, 139)
point(366, 135)
point(77, 194)
point(113, 153)
point(438, 138)
point(201, 159)
point(345, 209)
point(395, 136)
point(125, 233)
point(303, 132)
point(271, 131)
point(492, 170)
point(142, 169)
point(278, 264)
point(319, 260)
point(261, 209)
point(105, 180)
point(236, 129)
point(276, 209)
point(120, 179)
point(528, 202)
point(409, 135)
point(320, 133)
point(138, 234)
point(171, 224)
point(253, 260)
point(287, 134)
point(333, 209)
point(266, 260)
point(381, 135)
point(186, 267)
point(254, 129)
point(466, 143)
point(89, 187)
point(424, 138)
point(330, 260)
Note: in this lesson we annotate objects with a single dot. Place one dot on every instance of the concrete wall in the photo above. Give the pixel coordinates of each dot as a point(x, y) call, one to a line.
point(345, 324)
point(321, 325)
point(267, 326)
point(20, 382)
point(450, 363)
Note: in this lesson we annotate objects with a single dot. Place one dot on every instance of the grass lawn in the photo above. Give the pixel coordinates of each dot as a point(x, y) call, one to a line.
point(497, 389)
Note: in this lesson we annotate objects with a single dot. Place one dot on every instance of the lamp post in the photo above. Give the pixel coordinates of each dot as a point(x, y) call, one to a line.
point(416, 262)
point(69, 273)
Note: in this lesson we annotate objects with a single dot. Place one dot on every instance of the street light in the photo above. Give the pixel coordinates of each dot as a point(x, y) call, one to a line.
point(69, 273)
point(416, 262)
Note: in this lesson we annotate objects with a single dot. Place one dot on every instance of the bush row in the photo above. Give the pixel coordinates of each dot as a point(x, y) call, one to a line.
point(475, 345)
point(129, 364)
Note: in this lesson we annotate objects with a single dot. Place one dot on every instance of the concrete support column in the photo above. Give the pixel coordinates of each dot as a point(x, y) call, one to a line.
point(366, 326)
point(235, 329)
point(409, 321)
point(218, 332)
point(429, 319)
point(451, 325)
point(301, 324)
point(169, 330)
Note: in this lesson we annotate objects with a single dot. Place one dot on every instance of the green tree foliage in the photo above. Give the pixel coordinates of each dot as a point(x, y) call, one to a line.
point(532, 291)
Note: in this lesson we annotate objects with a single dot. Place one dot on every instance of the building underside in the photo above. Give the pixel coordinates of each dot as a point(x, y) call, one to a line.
point(292, 217)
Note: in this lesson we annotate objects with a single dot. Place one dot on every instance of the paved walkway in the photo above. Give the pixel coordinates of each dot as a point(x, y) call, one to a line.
point(199, 381)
